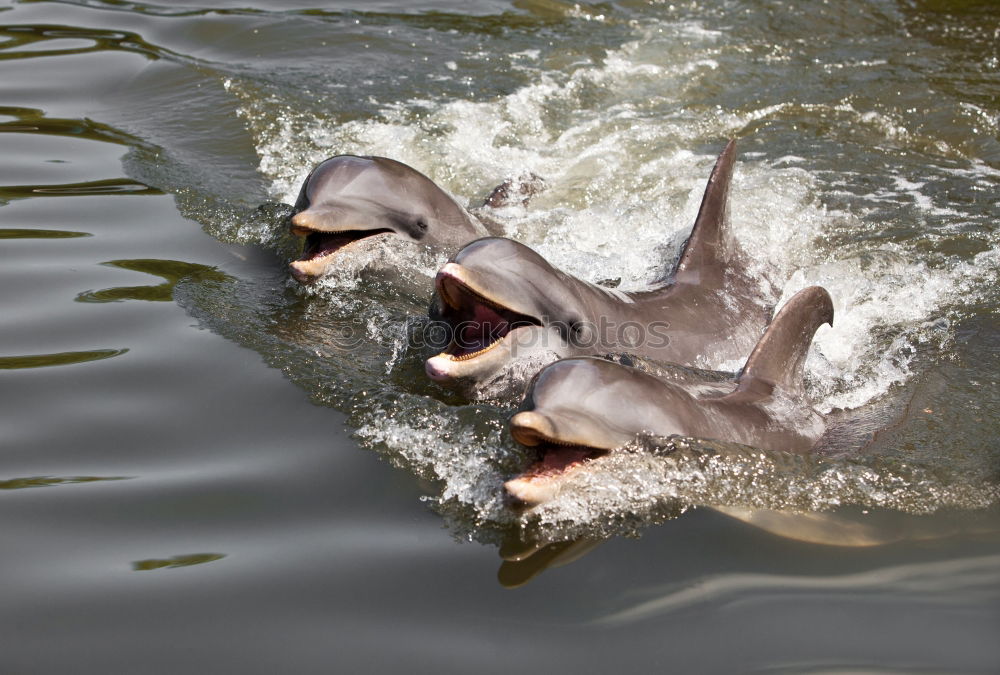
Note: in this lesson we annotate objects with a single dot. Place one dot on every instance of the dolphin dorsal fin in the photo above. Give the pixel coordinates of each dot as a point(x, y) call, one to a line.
point(780, 354)
point(703, 253)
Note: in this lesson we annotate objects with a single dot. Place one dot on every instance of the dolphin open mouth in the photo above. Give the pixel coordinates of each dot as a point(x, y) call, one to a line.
point(556, 458)
point(477, 324)
point(321, 246)
point(542, 481)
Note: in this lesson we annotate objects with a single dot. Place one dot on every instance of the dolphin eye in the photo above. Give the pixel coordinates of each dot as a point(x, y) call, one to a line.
point(419, 229)
point(582, 334)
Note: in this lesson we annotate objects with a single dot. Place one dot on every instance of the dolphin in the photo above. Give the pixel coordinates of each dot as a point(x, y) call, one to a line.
point(350, 199)
point(502, 304)
point(580, 408)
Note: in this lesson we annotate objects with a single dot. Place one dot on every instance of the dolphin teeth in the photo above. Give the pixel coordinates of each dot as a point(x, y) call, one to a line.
point(322, 244)
point(563, 444)
point(471, 355)
point(531, 429)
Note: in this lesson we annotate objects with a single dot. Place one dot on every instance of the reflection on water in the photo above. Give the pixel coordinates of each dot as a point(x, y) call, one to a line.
point(8, 233)
point(946, 580)
point(171, 270)
point(176, 561)
point(109, 186)
point(27, 41)
point(35, 121)
point(49, 481)
point(527, 552)
point(525, 560)
point(60, 359)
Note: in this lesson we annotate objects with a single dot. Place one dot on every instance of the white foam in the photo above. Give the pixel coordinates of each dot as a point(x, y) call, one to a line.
point(922, 201)
point(429, 443)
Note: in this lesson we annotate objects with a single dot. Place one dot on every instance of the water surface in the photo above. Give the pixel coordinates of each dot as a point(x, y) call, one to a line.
point(196, 473)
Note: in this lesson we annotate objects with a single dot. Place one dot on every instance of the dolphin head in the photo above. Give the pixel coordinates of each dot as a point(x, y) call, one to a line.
point(348, 199)
point(501, 302)
point(579, 409)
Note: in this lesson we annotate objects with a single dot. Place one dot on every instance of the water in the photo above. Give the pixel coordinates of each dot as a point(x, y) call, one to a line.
point(198, 474)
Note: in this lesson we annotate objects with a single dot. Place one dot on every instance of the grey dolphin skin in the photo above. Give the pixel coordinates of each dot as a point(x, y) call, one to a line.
point(580, 408)
point(349, 199)
point(504, 304)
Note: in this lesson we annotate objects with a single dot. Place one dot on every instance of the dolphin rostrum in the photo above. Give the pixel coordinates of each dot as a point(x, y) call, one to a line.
point(580, 408)
point(349, 199)
point(506, 309)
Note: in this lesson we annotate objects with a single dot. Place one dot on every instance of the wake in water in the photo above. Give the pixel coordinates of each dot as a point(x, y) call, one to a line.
point(624, 146)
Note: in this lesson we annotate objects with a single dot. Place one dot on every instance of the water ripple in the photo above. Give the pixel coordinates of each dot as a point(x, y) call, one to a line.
point(35, 121)
point(59, 359)
point(51, 481)
point(974, 576)
point(176, 561)
point(25, 36)
point(110, 186)
point(173, 271)
point(24, 233)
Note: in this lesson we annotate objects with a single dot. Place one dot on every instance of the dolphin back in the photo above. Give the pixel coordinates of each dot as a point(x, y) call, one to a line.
point(780, 354)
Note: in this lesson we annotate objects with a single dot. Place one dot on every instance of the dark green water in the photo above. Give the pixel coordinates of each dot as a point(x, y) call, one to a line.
point(197, 476)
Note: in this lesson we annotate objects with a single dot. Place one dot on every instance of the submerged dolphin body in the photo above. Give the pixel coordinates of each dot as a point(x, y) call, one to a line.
point(581, 408)
point(349, 199)
point(504, 305)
